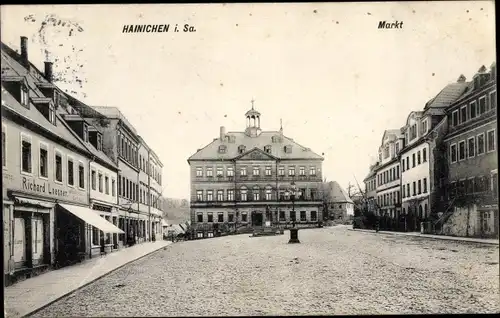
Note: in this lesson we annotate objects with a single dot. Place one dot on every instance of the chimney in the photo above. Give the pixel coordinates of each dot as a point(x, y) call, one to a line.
point(222, 133)
point(461, 79)
point(24, 50)
point(48, 71)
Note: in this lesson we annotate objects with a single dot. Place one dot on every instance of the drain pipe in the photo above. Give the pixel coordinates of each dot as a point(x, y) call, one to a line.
point(89, 187)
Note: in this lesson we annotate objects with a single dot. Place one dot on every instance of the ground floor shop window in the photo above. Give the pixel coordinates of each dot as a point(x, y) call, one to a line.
point(95, 236)
point(314, 216)
point(199, 235)
point(303, 216)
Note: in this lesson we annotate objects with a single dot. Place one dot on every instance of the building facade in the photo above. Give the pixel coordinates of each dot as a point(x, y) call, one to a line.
point(244, 179)
point(388, 178)
point(471, 148)
point(370, 194)
point(339, 204)
point(46, 170)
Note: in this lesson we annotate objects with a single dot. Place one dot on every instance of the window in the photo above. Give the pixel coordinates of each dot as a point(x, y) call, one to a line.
point(222, 149)
point(71, 172)
point(425, 185)
point(243, 171)
point(471, 147)
point(314, 216)
point(210, 195)
point(303, 216)
point(490, 140)
point(292, 216)
point(86, 133)
point(81, 175)
point(424, 155)
point(302, 171)
point(281, 171)
point(99, 142)
point(94, 182)
point(26, 162)
point(244, 217)
point(454, 118)
point(269, 194)
point(408, 163)
point(419, 187)
point(414, 188)
point(453, 153)
point(386, 152)
point(472, 110)
point(44, 157)
point(268, 171)
point(199, 172)
point(230, 217)
point(424, 127)
point(52, 114)
point(493, 100)
point(397, 148)
point(408, 190)
point(210, 217)
point(312, 171)
point(282, 216)
point(106, 184)
point(413, 131)
point(413, 160)
point(24, 95)
point(220, 172)
point(220, 195)
point(418, 158)
point(113, 187)
point(482, 105)
point(58, 168)
point(241, 149)
point(230, 195)
point(220, 217)
point(243, 194)
point(461, 150)
point(463, 114)
point(209, 172)
point(267, 149)
point(256, 171)
point(256, 194)
point(95, 236)
point(199, 217)
point(288, 149)
point(230, 172)
point(291, 171)
point(100, 182)
point(397, 172)
point(480, 144)
point(404, 192)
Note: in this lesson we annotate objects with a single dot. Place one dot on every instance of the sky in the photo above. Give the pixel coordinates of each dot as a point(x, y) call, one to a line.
point(335, 79)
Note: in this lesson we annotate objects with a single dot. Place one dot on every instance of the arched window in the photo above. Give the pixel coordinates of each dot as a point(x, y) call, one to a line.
point(269, 193)
point(243, 194)
point(256, 193)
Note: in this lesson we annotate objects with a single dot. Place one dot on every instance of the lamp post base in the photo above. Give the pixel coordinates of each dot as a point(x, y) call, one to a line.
point(294, 236)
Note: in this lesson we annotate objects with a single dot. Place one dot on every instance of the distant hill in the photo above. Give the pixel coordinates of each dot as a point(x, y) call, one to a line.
point(176, 210)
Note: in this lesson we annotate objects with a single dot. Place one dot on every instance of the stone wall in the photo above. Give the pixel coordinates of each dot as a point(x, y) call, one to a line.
point(457, 223)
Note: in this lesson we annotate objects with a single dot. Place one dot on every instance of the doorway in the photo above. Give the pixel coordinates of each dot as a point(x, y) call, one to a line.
point(70, 239)
point(258, 219)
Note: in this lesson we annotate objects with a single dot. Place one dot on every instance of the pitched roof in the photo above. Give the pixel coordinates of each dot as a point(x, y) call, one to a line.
point(61, 129)
point(337, 194)
point(447, 95)
point(211, 151)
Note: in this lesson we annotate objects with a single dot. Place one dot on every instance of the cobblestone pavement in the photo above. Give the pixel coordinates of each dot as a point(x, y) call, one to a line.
point(333, 271)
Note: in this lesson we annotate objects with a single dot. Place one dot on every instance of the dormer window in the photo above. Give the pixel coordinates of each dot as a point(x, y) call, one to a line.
point(267, 149)
point(85, 133)
point(386, 152)
point(52, 114)
point(56, 99)
point(99, 142)
point(288, 149)
point(241, 149)
point(222, 149)
point(24, 95)
point(424, 127)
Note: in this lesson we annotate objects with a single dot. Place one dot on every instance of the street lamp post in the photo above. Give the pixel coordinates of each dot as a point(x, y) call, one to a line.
point(294, 231)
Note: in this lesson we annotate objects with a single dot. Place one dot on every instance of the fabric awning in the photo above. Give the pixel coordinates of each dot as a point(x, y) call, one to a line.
point(91, 217)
